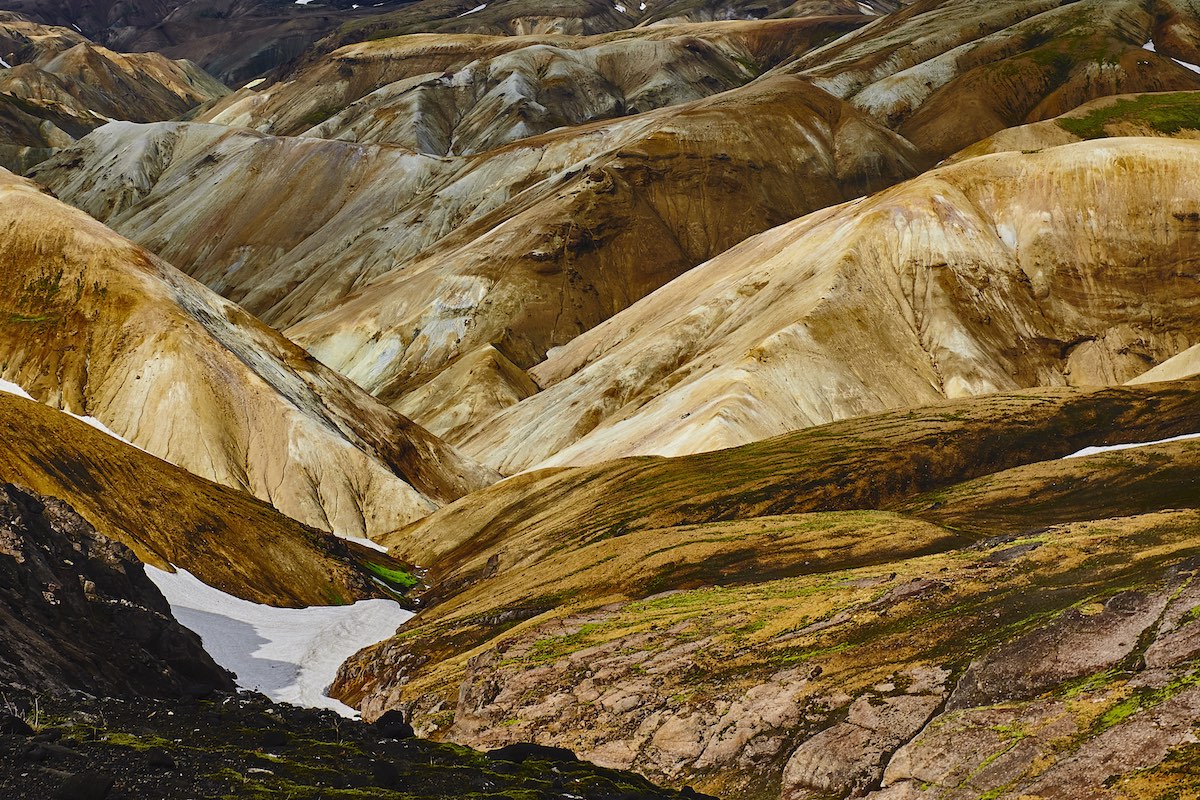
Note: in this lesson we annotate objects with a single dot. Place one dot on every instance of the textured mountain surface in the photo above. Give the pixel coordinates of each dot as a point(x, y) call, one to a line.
point(168, 516)
point(888, 603)
point(468, 93)
point(55, 86)
point(79, 612)
point(992, 274)
point(98, 326)
point(522, 248)
point(946, 73)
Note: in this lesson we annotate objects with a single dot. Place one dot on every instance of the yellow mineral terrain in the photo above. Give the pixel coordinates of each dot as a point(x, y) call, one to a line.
point(169, 516)
point(99, 327)
point(418, 260)
point(995, 273)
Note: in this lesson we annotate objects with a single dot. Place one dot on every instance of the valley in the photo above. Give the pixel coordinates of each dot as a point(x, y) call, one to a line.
point(748, 399)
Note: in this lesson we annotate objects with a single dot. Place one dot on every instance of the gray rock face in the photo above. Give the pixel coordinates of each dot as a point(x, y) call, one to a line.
point(849, 757)
point(78, 612)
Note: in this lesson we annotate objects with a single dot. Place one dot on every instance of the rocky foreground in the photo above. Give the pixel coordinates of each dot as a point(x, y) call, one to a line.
point(103, 695)
point(244, 746)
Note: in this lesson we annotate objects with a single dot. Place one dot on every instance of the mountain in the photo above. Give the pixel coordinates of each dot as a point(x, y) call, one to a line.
point(859, 609)
point(56, 85)
point(168, 516)
point(466, 93)
point(996, 273)
point(946, 74)
point(558, 242)
point(98, 326)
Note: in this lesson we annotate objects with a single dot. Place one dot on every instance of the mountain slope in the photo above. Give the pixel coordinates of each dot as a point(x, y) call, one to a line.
point(946, 74)
point(715, 618)
point(992, 274)
point(98, 326)
point(441, 93)
point(169, 516)
point(521, 248)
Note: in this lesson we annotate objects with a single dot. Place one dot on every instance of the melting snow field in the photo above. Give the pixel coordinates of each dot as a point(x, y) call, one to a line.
point(289, 654)
point(1091, 451)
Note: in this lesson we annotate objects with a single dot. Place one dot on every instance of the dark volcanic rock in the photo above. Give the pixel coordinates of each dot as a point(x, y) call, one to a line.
point(121, 748)
point(393, 725)
point(78, 612)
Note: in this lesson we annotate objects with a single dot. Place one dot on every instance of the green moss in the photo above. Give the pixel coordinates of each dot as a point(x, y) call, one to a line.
point(1145, 699)
point(1165, 113)
point(396, 577)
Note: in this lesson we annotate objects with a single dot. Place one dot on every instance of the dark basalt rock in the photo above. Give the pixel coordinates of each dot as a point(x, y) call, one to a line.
point(147, 749)
point(14, 726)
point(393, 725)
point(77, 611)
point(521, 752)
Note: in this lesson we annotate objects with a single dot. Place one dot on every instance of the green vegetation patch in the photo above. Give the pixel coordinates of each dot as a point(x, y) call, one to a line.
point(1165, 113)
point(396, 577)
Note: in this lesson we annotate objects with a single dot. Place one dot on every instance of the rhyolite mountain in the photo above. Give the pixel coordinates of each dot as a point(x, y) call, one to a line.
point(742, 389)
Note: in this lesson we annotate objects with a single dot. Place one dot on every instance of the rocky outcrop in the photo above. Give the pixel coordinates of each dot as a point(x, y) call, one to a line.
point(1027, 632)
point(231, 745)
point(79, 613)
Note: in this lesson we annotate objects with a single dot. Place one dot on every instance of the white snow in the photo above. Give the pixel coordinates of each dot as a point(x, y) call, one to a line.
point(619, 7)
point(1091, 451)
point(255, 82)
point(1150, 46)
point(642, 7)
point(303, 2)
point(364, 542)
point(5, 64)
point(76, 27)
point(12, 388)
point(473, 10)
point(289, 654)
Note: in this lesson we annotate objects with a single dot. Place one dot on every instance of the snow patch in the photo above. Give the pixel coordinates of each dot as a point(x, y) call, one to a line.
point(303, 2)
point(473, 10)
point(12, 388)
point(1150, 46)
point(289, 654)
point(5, 64)
point(1091, 451)
point(255, 82)
point(364, 542)
point(619, 7)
